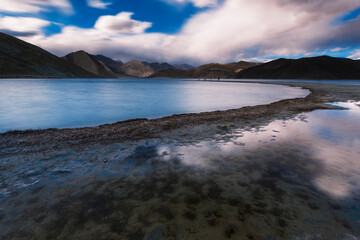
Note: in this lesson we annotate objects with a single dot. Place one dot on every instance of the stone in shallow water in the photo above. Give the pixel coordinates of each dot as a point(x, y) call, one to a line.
point(61, 171)
point(155, 234)
point(348, 236)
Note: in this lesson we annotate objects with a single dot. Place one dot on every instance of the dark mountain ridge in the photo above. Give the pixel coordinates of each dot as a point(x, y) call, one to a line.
point(183, 66)
point(114, 66)
point(90, 63)
point(106, 67)
point(317, 68)
point(160, 66)
point(19, 59)
point(212, 70)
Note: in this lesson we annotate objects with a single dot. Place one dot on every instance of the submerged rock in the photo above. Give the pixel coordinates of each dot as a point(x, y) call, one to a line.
point(156, 234)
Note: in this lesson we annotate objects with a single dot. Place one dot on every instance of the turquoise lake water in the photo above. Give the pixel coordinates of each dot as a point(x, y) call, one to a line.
point(63, 103)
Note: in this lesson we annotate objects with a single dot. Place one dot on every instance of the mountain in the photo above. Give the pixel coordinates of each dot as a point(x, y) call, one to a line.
point(217, 70)
point(212, 70)
point(144, 69)
point(137, 69)
point(90, 63)
point(114, 66)
point(183, 66)
point(159, 66)
point(323, 67)
point(19, 59)
point(106, 67)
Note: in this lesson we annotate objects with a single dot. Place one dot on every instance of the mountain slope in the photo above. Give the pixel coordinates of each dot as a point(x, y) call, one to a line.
point(21, 59)
point(90, 63)
point(106, 67)
point(183, 66)
point(159, 66)
point(137, 69)
point(114, 66)
point(217, 70)
point(212, 70)
point(323, 67)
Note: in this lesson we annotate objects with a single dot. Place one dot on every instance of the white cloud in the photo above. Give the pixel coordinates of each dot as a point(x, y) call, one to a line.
point(338, 49)
point(34, 6)
point(197, 3)
point(98, 4)
point(121, 23)
point(22, 26)
point(356, 54)
point(262, 28)
point(235, 30)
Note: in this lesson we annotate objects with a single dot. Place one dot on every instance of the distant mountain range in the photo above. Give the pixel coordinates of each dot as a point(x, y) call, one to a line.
point(19, 59)
point(109, 68)
point(212, 70)
point(323, 67)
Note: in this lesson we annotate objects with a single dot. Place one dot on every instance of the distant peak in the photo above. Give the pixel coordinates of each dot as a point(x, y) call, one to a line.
point(134, 60)
point(81, 51)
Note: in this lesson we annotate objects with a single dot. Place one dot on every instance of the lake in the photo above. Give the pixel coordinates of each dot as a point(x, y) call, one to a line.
point(64, 103)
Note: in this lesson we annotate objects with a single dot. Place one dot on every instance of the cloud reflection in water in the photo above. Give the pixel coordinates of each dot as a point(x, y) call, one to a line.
point(325, 143)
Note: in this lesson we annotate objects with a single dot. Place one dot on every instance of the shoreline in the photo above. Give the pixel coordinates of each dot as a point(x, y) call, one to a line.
point(33, 141)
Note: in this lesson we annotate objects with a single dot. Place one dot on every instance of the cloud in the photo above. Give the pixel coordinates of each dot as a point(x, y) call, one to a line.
point(98, 4)
point(271, 27)
point(338, 49)
point(121, 23)
point(22, 26)
point(34, 6)
point(234, 30)
point(355, 55)
point(197, 3)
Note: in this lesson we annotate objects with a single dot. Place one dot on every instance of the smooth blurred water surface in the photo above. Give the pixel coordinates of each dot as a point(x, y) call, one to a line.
point(61, 103)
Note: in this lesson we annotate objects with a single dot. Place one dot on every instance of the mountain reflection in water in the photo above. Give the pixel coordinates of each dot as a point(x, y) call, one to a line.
point(292, 179)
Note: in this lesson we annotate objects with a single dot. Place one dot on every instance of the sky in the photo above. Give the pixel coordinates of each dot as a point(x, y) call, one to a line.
point(188, 31)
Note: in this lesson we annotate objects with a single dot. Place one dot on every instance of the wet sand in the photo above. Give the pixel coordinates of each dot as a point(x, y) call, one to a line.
point(218, 175)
